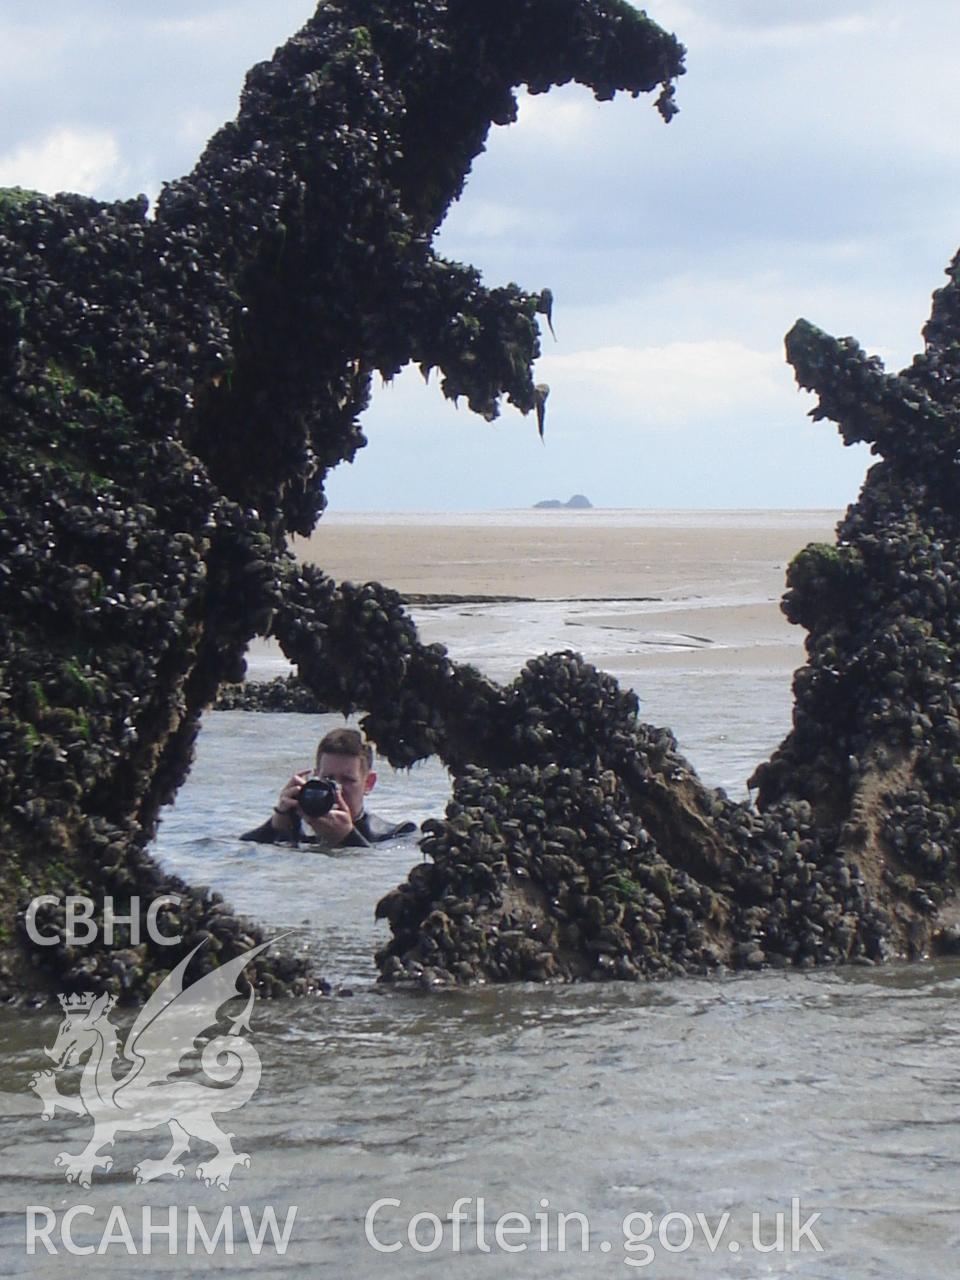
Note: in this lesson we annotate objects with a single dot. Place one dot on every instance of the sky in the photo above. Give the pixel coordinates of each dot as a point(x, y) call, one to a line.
point(813, 170)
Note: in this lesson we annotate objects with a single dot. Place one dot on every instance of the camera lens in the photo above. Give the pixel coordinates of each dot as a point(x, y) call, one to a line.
point(317, 797)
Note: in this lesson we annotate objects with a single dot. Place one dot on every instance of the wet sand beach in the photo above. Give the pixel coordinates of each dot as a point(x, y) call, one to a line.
point(633, 590)
point(683, 607)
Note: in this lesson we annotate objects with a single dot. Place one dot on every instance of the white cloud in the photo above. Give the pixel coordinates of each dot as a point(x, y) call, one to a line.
point(83, 160)
point(675, 383)
point(557, 119)
point(769, 24)
point(205, 27)
point(495, 219)
point(27, 51)
point(195, 127)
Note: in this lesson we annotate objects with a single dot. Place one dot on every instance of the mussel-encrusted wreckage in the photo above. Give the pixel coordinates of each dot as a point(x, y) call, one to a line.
point(579, 843)
point(582, 844)
point(174, 390)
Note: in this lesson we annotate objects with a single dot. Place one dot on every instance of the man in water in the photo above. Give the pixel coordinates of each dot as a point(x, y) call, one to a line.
point(344, 758)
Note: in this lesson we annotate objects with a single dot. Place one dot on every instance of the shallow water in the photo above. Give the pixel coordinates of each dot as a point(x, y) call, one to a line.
point(728, 1096)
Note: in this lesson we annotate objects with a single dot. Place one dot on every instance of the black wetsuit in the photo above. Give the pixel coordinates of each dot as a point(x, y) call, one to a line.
point(368, 829)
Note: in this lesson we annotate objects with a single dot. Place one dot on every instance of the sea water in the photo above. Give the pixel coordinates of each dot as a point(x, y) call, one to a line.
point(770, 1124)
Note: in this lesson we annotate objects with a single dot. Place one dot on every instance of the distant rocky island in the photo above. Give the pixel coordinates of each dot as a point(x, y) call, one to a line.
point(577, 502)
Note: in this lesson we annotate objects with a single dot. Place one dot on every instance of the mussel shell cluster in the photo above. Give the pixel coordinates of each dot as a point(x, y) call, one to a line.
point(174, 389)
point(175, 385)
point(282, 693)
point(616, 863)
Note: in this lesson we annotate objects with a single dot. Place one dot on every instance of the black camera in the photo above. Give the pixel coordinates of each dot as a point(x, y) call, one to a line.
point(318, 796)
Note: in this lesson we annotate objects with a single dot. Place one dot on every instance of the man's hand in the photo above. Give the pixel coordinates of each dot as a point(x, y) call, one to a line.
point(334, 827)
point(287, 809)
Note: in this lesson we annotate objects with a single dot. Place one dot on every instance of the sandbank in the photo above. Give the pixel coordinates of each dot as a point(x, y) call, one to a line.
point(697, 590)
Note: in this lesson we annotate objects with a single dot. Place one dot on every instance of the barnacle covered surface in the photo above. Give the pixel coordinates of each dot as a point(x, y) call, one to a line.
point(582, 844)
point(589, 848)
point(875, 747)
point(174, 389)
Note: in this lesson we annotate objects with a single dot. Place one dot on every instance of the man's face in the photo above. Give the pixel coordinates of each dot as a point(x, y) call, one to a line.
point(353, 776)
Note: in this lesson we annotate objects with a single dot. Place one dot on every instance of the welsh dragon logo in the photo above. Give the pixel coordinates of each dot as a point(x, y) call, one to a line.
point(165, 1030)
